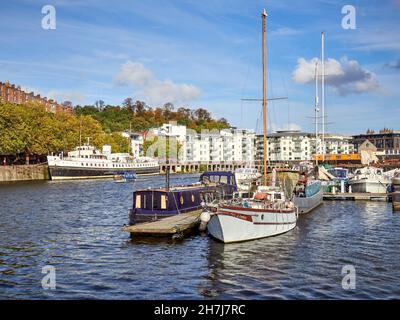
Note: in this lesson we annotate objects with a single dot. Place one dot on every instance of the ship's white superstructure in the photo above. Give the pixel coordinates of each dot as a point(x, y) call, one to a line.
point(87, 162)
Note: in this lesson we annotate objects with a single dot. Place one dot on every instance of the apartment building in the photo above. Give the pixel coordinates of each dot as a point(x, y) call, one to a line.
point(387, 142)
point(299, 146)
point(227, 145)
point(136, 143)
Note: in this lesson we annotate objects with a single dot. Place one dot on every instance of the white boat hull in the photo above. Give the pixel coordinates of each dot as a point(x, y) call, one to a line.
point(369, 186)
point(307, 204)
point(240, 225)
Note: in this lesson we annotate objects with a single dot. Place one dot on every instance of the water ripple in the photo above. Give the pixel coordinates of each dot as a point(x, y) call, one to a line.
point(75, 226)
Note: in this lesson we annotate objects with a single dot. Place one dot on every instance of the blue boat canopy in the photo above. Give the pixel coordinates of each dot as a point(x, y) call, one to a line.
point(223, 177)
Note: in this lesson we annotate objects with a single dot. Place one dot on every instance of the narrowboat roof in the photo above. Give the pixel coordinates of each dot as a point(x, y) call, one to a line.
point(172, 189)
point(218, 173)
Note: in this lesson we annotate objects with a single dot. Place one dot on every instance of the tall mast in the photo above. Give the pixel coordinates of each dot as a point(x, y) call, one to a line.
point(80, 135)
point(316, 113)
point(264, 63)
point(130, 137)
point(323, 93)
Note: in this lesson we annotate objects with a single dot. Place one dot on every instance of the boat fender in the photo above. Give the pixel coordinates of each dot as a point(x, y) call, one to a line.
point(205, 216)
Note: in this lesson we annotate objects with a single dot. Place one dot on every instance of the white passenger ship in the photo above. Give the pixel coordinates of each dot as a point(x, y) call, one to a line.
point(86, 162)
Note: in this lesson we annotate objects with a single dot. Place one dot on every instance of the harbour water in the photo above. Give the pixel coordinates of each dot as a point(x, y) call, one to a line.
point(75, 227)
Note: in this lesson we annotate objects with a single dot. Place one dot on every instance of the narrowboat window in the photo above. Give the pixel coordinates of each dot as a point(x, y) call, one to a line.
point(181, 199)
point(224, 179)
point(138, 202)
point(163, 201)
point(193, 198)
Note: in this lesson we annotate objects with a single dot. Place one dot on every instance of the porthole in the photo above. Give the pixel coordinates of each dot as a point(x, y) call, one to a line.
point(262, 217)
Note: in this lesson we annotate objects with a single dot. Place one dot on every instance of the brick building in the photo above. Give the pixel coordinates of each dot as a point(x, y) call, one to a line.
point(14, 94)
point(386, 141)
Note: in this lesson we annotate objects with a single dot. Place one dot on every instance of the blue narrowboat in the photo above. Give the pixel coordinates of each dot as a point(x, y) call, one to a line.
point(154, 204)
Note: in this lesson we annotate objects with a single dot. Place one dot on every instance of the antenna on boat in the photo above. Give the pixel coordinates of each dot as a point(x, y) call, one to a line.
point(264, 102)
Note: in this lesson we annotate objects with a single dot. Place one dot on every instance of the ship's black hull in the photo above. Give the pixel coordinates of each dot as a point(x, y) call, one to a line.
point(69, 173)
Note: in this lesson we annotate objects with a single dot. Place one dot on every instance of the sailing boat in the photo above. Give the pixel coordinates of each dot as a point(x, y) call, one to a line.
point(308, 193)
point(268, 213)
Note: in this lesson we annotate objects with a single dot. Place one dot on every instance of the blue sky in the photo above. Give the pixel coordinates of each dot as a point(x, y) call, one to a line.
point(208, 53)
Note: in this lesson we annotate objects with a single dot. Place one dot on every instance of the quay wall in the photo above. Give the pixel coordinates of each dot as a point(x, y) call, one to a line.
point(24, 173)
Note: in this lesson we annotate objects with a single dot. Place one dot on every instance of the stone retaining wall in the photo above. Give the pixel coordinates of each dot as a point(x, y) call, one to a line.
point(24, 173)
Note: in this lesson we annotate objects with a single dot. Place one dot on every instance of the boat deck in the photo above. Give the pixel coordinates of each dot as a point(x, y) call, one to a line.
point(357, 196)
point(176, 225)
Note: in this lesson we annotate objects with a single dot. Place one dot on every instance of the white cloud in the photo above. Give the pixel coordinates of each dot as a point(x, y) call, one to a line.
point(133, 73)
point(344, 76)
point(152, 90)
point(60, 96)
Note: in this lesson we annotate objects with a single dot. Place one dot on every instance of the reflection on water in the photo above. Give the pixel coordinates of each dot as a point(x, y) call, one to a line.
point(306, 263)
point(75, 226)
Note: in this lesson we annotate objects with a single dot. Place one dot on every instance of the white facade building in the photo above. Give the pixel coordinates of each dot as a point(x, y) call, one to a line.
point(174, 131)
point(299, 146)
point(338, 144)
point(227, 145)
point(136, 143)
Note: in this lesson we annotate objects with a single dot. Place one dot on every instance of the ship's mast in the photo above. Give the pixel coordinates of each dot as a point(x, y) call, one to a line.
point(323, 93)
point(130, 137)
point(264, 63)
point(316, 113)
point(80, 136)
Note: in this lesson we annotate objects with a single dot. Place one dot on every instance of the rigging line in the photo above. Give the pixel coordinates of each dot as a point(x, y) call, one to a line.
point(286, 93)
point(271, 108)
point(258, 120)
point(242, 91)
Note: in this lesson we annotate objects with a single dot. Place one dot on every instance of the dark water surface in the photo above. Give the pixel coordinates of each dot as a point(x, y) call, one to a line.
point(75, 227)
